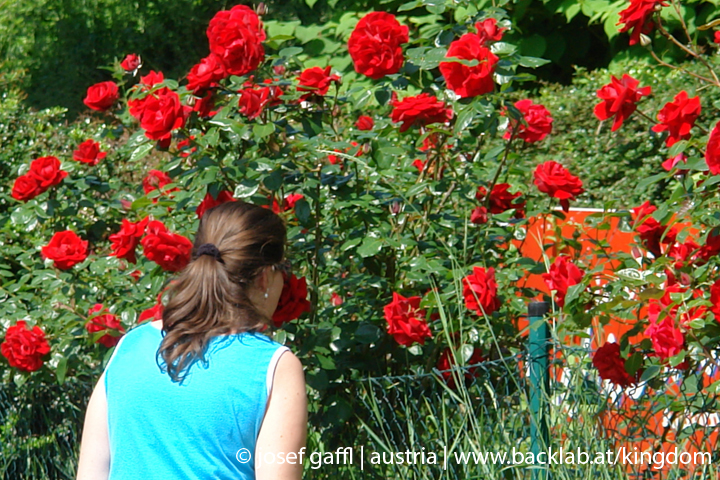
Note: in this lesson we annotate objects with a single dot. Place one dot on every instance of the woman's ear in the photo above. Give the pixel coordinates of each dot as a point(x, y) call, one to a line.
point(263, 279)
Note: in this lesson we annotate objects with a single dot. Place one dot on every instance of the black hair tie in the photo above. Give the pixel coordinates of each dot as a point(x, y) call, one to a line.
point(209, 249)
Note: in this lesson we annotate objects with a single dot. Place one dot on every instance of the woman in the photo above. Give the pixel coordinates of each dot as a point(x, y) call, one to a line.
point(200, 394)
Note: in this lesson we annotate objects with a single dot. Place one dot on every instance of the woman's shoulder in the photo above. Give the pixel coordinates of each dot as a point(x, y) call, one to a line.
point(138, 333)
point(257, 340)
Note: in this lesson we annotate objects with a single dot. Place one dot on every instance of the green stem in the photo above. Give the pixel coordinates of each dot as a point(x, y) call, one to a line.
point(316, 255)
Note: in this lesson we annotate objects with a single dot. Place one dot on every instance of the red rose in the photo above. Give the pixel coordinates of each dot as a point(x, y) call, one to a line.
point(683, 252)
point(537, 122)
point(169, 250)
point(619, 99)
point(101, 321)
point(293, 300)
point(563, 274)
point(712, 152)
point(89, 152)
point(374, 45)
point(102, 96)
point(336, 300)
point(334, 159)
point(710, 248)
point(447, 362)
point(479, 216)
point(136, 106)
point(715, 299)
point(140, 96)
point(205, 74)
point(430, 142)
point(406, 321)
point(184, 146)
point(210, 202)
point(611, 366)
point(290, 200)
point(26, 187)
point(126, 240)
point(667, 339)
point(488, 31)
point(162, 114)
point(236, 37)
point(364, 123)
point(716, 37)
point(462, 79)
point(46, 171)
point(419, 164)
point(480, 291)
point(253, 101)
point(678, 117)
point(422, 110)
point(153, 313)
point(131, 63)
point(66, 249)
point(670, 163)
point(638, 17)
point(204, 106)
point(553, 179)
point(152, 79)
point(693, 313)
point(316, 81)
point(156, 180)
point(24, 348)
point(501, 200)
point(652, 233)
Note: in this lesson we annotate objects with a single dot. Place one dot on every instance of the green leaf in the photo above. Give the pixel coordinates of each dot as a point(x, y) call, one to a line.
point(141, 151)
point(676, 360)
point(466, 352)
point(367, 333)
point(464, 119)
point(318, 380)
point(290, 52)
point(573, 292)
point(302, 211)
point(425, 57)
point(532, 62)
point(647, 181)
point(140, 203)
point(61, 370)
point(22, 215)
point(326, 363)
point(650, 372)
point(273, 181)
point(246, 188)
point(503, 48)
point(370, 246)
point(633, 364)
point(350, 243)
point(677, 148)
point(409, 6)
point(263, 130)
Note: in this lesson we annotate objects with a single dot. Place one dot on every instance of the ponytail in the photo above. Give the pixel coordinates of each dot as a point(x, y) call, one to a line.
point(210, 296)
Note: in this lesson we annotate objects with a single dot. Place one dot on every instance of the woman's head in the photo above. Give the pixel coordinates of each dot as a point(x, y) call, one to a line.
point(232, 284)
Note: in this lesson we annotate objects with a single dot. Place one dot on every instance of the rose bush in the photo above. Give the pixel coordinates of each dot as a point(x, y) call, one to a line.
point(382, 215)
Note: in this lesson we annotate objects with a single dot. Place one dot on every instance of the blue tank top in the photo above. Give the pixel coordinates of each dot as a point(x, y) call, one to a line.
point(163, 430)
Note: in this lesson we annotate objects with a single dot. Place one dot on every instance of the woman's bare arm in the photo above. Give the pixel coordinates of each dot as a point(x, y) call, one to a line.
point(94, 463)
point(284, 429)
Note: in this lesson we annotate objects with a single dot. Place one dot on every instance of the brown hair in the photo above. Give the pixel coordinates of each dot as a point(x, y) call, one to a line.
point(210, 296)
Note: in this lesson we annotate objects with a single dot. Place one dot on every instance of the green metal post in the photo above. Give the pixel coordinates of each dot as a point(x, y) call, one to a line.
point(538, 346)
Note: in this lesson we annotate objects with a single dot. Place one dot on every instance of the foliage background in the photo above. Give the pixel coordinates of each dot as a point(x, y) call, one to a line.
point(51, 49)
point(50, 53)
